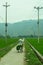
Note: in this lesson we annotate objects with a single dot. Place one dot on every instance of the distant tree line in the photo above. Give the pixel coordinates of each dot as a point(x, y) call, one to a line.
point(20, 36)
point(28, 36)
point(2, 36)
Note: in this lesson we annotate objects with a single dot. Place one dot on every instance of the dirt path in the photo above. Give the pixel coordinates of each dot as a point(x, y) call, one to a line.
point(13, 58)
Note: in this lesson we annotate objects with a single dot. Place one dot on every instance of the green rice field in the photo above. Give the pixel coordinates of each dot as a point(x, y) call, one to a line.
point(38, 46)
point(5, 47)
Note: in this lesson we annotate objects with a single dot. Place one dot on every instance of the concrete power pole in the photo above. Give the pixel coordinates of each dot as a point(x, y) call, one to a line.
point(38, 8)
point(6, 21)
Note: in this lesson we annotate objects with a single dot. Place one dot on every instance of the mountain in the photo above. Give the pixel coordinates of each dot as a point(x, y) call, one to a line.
point(25, 27)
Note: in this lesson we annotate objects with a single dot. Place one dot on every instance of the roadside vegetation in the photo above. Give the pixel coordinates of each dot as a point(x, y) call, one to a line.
point(30, 57)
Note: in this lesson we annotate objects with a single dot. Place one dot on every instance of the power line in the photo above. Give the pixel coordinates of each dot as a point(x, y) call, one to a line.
point(6, 6)
point(38, 8)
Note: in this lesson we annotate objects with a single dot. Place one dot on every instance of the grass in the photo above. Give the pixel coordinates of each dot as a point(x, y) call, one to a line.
point(30, 55)
point(6, 47)
point(9, 41)
point(38, 46)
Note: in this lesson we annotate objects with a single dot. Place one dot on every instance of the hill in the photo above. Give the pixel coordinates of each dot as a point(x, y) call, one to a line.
point(25, 27)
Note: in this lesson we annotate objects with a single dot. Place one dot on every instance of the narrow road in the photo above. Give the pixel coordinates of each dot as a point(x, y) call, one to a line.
point(13, 58)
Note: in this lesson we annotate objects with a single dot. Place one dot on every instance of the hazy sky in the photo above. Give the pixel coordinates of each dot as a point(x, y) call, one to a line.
point(20, 10)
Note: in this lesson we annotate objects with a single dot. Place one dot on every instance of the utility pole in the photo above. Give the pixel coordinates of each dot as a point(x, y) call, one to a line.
point(6, 5)
point(38, 8)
